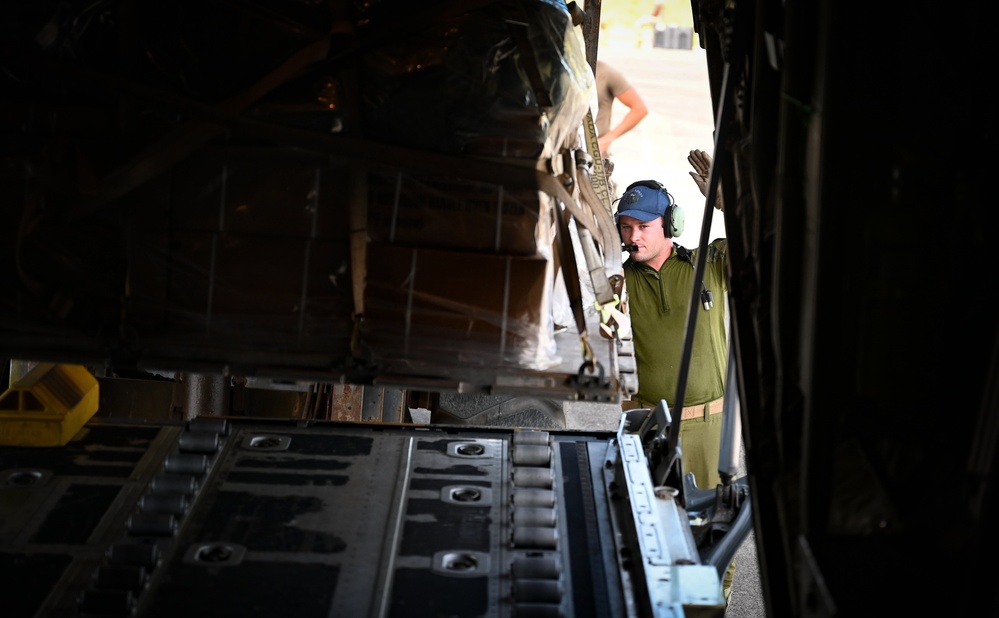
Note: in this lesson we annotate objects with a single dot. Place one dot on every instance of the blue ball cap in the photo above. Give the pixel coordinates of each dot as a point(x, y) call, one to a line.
point(643, 203)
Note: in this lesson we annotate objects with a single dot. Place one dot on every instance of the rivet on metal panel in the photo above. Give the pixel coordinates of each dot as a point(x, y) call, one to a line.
point(461, 563)
point(469, 450)
point(466, 494)
point(463, 495)
point(215, 554)
point(25, 477)
point(267, 443)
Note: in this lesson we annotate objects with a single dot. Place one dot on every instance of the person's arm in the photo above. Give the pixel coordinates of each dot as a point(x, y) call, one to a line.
point(637, 110)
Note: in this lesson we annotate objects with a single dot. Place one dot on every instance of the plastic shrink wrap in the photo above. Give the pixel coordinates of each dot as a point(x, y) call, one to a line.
point(189, 195)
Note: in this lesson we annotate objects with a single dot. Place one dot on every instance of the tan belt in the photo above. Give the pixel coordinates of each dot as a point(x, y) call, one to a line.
point(689, 412)
point(703, 409)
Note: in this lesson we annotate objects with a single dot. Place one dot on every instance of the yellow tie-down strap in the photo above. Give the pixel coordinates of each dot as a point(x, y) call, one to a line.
point(614, 324)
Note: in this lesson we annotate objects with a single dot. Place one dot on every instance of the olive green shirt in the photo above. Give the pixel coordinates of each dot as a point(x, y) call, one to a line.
point(657, 304)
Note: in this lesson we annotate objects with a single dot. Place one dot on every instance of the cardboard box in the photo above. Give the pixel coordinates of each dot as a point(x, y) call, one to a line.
point(457, 308)
point(458, 215)
point(283, 195)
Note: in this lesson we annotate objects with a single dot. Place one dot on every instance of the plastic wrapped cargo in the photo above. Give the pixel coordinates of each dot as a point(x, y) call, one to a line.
point(200, 188)
point(505, 79)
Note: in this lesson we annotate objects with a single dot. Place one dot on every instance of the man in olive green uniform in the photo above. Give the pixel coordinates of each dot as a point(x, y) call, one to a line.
point(659, 276)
